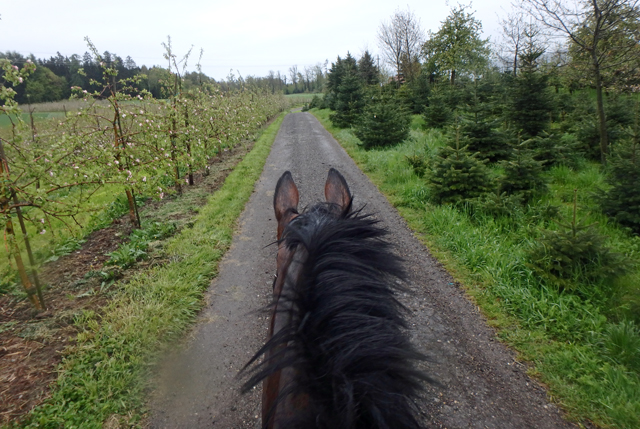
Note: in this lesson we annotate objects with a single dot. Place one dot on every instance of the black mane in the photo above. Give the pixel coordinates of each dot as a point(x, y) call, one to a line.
point(347, 339)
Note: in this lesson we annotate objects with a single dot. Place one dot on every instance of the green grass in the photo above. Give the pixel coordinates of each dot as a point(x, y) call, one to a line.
point(5, 121)
point(104, 375)
point(584, 348)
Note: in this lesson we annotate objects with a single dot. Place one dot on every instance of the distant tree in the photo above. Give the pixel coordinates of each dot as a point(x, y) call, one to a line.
point(59, 65)
point(515, 33)
point(349, 99)
point(606, 32)
point(456, 47)
point(522, 175)
point(479, 127)
point(293, 73)
point(157, 81)
point(418, 92)
point(335, 76)
point(368, 70)
point(43, 86)
point(129, 64)
point(438, 112)
point(401, 41)
point(319, 78)
point(530, 101)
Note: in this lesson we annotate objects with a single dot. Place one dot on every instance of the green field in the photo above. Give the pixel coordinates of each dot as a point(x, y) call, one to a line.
point(5, 121)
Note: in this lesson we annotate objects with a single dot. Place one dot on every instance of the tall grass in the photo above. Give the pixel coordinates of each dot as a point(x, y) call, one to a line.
point(581, 346)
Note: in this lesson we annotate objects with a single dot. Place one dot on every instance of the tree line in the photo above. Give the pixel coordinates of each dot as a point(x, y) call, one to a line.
point(527, 103)
point(55, 77)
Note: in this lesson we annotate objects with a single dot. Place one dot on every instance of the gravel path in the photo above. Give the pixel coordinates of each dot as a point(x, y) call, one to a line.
point(482, 386)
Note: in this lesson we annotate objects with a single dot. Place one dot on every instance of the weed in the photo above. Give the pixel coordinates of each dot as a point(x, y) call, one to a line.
point(135, 250)
point(68, 245)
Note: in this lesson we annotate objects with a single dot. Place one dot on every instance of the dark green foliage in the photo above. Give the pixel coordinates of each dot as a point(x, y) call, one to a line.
point(367, 69)
point(345, 92)
point(416, 93)
point(335, 76)
point(552, 149)
point(349, 100)
point(45, 86)
point(383, 123)
point(316, 102)
point(573, 255)
point(457, 175)
point(581, 120)
point(438, 113)
point(479, 127)
point(622, 200)
point(530, 101)
point(522, 176)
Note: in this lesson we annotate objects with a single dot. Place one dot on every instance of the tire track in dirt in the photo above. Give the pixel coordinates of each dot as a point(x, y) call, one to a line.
point(482, 386)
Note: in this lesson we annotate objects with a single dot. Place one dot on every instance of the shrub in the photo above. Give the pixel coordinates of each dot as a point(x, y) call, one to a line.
point(383, 123)
point(418, 163)
point(575, 254)
point(522, 176)
point(438, 114)
point(458, 175)
point(622, 200)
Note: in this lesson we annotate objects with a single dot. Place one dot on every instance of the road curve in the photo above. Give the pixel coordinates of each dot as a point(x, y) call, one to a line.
point(481, 384)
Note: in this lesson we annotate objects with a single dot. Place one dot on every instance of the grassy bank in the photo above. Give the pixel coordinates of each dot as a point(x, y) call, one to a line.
point(103, 375)
point(586, 350)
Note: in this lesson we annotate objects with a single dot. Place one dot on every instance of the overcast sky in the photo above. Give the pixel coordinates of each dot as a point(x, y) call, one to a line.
point(251, 37)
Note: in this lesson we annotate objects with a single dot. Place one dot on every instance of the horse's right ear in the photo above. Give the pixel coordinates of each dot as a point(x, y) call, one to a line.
point(285, 199)
point(336, 190)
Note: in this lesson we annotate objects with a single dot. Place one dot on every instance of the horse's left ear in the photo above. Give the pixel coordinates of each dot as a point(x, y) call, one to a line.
point(336, 190)
point(285, 201)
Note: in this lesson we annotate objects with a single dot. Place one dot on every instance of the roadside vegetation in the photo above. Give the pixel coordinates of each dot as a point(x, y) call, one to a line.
point(515, 182)
point(578, 333)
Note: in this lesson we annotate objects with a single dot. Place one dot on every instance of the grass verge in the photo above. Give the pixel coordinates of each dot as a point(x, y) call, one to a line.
point(575, 345)
point(104, 375)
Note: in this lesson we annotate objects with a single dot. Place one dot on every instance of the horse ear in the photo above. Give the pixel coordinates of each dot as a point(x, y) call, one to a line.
point(286, 196)
point(336, 190)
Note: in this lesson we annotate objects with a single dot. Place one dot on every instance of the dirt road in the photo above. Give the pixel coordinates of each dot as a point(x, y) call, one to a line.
point(482, 386)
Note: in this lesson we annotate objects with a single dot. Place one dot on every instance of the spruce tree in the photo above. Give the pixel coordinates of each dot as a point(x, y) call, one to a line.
point(367, 69)
point(622, 200)
point(335, 75)
point(349, 100)
point(573, 254)
point(480, 127)
point(438, 113)
point(383, 123)
point(522, 175)
point(458, 175)
point(417, 92)
point(530, 100)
